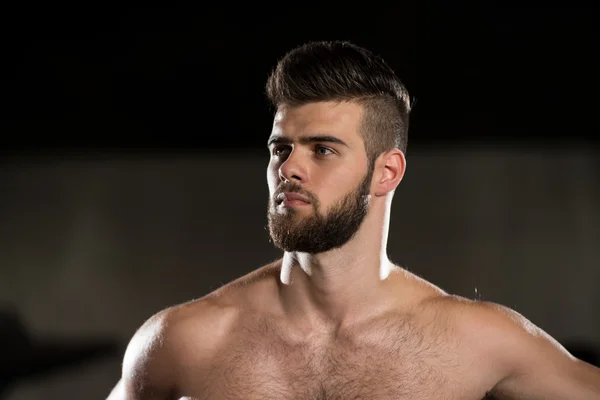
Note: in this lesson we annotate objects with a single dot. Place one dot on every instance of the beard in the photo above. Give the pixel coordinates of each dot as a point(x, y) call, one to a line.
point(317, 233)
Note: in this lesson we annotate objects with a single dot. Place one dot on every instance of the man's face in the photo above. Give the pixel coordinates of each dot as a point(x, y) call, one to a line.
point(316, 152)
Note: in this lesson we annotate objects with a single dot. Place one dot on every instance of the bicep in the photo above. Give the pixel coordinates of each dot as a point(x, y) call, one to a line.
point(552, 380)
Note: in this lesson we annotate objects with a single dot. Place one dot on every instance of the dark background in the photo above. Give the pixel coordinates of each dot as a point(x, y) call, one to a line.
point(124, 130)
point(194, 77)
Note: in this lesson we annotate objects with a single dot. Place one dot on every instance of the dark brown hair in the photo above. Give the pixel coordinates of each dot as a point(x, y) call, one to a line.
point(342, 71)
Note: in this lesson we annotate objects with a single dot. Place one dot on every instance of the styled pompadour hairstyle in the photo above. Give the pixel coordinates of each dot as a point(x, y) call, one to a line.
point(342, 71)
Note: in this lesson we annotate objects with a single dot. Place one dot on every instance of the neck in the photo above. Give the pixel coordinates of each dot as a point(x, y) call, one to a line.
point(343, 285)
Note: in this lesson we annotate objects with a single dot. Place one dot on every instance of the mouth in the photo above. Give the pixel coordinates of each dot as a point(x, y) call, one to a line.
point(291, 199)
point(293, 203)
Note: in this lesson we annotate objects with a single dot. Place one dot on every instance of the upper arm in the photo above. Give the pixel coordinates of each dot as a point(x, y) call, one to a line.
point(534, 365)
point(149, 365)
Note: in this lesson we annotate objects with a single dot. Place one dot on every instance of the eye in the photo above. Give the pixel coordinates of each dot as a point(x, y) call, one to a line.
point(278, 149)
point(321, 153)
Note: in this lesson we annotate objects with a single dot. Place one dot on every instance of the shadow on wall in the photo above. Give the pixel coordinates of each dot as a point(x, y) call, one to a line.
point(26, 357)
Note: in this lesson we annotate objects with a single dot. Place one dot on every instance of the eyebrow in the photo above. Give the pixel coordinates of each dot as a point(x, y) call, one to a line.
point(306, 140)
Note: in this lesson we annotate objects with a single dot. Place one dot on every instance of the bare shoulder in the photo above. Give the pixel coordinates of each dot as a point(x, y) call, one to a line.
point(169, 340)
point(174, 327)
point(188, 333)
point(526, 361)
point(500, 335)
point(470, 317)
point(487, 320)
point(209, 317)
point(496, 330)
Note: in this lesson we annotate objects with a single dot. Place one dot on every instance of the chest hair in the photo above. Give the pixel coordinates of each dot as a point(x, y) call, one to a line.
point(399, 357)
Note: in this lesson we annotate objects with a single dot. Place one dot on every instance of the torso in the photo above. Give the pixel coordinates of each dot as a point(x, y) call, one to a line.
point(411, 354)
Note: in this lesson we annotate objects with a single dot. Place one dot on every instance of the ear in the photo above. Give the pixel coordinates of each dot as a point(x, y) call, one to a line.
point(389, 171)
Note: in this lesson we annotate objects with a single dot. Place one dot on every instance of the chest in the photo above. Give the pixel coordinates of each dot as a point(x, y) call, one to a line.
point(391, 362)
point(365, 372)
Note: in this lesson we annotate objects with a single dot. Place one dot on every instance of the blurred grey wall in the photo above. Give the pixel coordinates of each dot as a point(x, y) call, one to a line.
point(94, 247)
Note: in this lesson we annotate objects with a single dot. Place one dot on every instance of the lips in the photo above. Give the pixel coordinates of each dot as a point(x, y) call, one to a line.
point(291, 196)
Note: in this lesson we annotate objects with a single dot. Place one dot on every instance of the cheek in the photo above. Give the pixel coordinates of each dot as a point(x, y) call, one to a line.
point(331, 189)
point(272, 177)
point(337, 186)
point(340, 181)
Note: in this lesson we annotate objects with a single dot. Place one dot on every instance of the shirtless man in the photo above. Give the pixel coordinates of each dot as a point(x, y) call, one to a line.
point(334, 318)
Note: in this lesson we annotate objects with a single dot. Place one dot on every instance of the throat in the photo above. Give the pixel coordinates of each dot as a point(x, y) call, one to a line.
point(330, 301)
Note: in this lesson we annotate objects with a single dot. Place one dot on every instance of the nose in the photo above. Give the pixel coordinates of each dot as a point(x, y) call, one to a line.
point(291, 169)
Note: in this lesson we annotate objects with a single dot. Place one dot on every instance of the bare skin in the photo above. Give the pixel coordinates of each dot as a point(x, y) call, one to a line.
point(345, 323)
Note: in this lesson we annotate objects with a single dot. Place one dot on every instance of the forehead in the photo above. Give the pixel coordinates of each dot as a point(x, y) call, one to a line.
point(341, 119)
